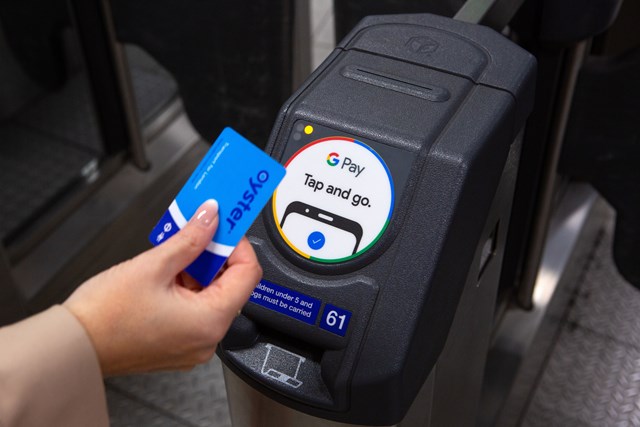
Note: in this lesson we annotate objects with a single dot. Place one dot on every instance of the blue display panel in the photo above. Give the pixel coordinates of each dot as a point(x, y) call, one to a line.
point(335, 319)
point(286, 301)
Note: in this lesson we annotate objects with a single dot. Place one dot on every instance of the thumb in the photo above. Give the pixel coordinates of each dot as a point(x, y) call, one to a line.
point(230, 290)
point(186, 245)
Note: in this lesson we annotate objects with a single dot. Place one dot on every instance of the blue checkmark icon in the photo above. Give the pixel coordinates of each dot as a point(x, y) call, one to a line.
point(316, 240)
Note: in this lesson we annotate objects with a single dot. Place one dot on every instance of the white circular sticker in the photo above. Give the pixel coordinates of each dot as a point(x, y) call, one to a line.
point(335, 201)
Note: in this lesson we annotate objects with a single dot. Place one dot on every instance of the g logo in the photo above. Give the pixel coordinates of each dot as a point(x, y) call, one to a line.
point(332, 159)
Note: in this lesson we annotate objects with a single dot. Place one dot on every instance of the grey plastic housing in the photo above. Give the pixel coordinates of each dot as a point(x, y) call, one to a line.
point(451, 96)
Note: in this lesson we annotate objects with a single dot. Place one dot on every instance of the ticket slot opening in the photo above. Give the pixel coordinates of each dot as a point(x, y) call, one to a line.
point(396, 83)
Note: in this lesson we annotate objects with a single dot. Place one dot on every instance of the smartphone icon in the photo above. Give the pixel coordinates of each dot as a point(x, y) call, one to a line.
point(320, 233)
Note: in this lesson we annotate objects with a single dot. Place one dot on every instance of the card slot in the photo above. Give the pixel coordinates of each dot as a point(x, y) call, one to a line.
point(396, 83)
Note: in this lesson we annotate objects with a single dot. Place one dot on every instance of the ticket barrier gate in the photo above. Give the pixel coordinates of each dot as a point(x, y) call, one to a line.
point(383, 245)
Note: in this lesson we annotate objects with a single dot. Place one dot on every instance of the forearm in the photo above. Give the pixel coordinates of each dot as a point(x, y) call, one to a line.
point(49, 373)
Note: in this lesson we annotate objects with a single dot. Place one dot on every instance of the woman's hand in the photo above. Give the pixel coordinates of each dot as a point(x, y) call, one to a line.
point(146, 314)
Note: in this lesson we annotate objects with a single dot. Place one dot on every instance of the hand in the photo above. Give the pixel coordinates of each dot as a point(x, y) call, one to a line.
point(145, 314)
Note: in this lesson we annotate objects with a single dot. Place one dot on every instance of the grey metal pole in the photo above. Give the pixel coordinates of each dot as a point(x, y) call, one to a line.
point(301, 43)
point(492, 13)
point(543, 212)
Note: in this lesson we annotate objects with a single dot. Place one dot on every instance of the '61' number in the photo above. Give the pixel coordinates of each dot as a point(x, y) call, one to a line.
point(333, 317)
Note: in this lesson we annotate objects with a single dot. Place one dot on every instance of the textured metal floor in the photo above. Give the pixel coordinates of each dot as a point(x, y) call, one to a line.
point(34, 169)
point(46, 145)
point(195, 399)
point(591, 376)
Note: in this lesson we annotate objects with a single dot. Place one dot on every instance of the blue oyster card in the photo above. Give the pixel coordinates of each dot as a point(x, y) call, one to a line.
point(242, 178)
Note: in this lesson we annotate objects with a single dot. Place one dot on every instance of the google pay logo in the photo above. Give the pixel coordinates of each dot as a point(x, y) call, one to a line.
point(333, 159)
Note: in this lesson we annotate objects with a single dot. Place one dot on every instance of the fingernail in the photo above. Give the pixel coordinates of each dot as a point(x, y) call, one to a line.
point(207, 213)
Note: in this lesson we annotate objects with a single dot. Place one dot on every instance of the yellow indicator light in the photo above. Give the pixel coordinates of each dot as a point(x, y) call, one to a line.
point(308, 129)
